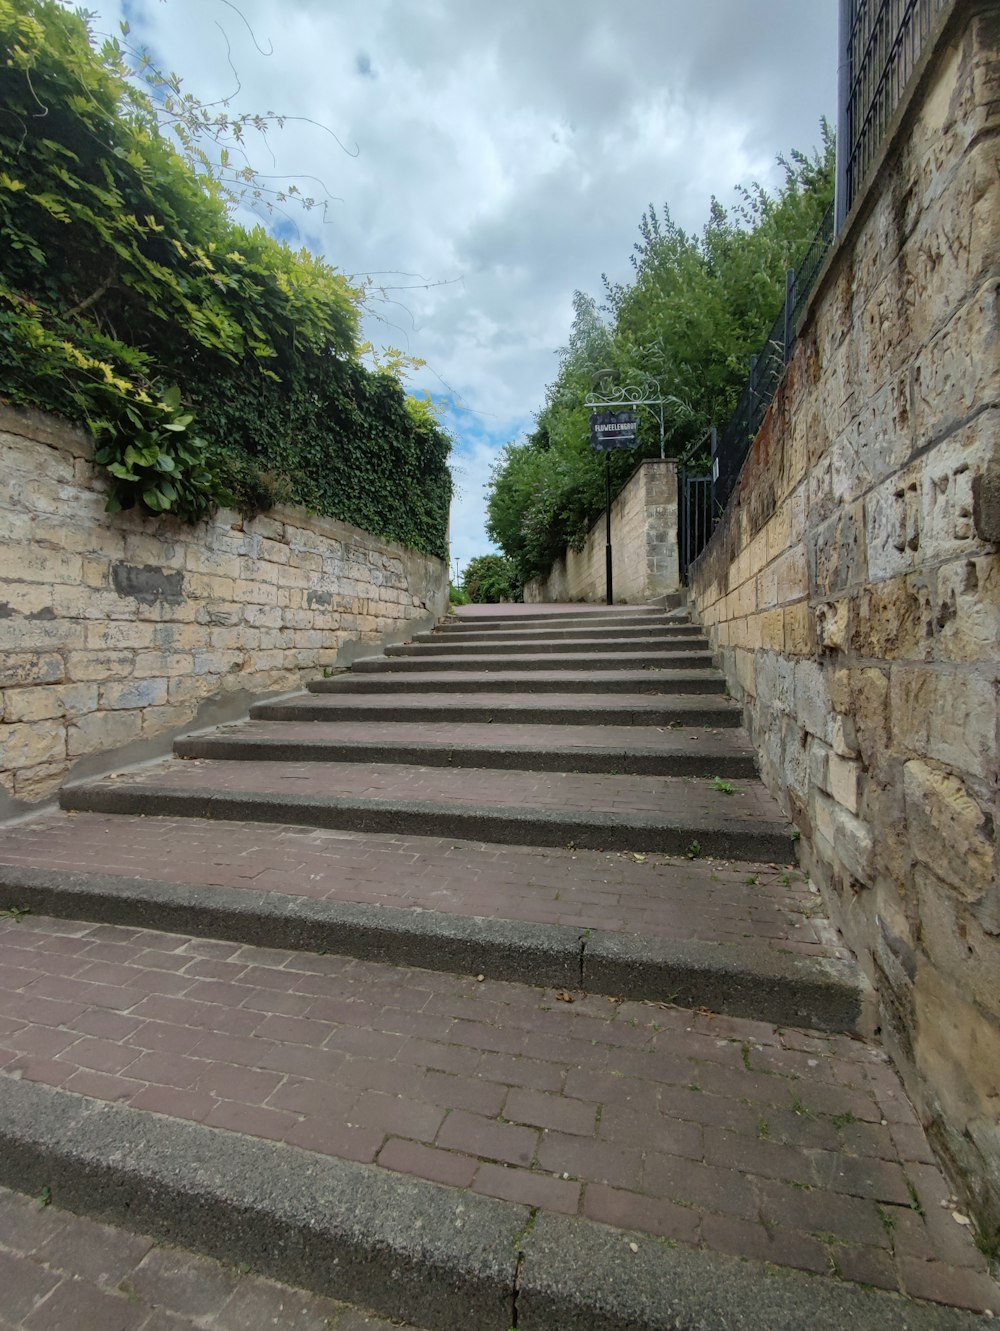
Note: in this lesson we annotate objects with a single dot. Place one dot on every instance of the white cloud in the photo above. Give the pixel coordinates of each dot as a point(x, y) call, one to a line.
point(507, 149)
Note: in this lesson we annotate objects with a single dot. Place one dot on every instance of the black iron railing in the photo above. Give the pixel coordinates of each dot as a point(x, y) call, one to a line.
point(881, 43)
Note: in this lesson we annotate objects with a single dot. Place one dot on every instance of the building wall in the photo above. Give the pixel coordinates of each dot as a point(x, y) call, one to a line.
point(853, 593)
point(119, 631)
point(644, 546)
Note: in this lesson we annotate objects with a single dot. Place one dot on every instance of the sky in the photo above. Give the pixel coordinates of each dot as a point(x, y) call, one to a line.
point(484, 160)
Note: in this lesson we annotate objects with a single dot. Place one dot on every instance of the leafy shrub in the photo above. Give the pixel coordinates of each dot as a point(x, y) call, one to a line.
point(491, 578)
point(204, 357)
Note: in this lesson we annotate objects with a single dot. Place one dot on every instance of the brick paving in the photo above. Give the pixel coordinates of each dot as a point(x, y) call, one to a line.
point(654, 679)
point(626, 708)
point(781, 1145)
point(583, 889)
point(659, 796)
point(64, 1272)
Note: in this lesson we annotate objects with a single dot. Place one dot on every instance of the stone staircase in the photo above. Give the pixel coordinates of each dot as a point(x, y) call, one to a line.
point(477, 985)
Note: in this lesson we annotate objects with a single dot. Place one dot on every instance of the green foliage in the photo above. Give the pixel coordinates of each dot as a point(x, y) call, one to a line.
point(196, 350)
point(492, 578)
point(458, 595)
point(695, 311)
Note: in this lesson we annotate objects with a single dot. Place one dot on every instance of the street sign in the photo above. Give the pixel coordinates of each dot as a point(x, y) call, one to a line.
point(613, 429)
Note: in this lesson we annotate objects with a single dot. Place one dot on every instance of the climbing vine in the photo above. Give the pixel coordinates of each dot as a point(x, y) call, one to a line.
point(211, 362)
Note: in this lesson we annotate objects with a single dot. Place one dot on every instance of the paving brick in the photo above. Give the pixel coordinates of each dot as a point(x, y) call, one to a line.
point(781, 1247)
point(182, 1282)
point(592, 1160)
point(476, 1135)
point(399, 1116)
point(530, 1188)
point(949, 1284)
point(551, 1111)
point(410, 1157)
point(79, 1306)
point(24, 1284)
point(91, 1251)
point(632, 1210)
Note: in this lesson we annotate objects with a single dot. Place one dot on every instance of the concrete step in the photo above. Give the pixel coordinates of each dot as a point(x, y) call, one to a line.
point(466, 1153)
point(602, 621)
point(611, 749)
point(595, 709)
point(783, 966)
point(527, 633)
point(523, 681)
point(478, 644)
point(636, 813)
point(554, 614)
point(574, 662)
point(63, 1270)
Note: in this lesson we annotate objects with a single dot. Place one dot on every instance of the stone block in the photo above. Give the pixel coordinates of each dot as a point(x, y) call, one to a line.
point(813, 707)
point(32, 704)
point(894, 619)
point(799, 629)
point(45, 633)
point(102, 731)
point(37, 563)
point(965, 610)
point(832, 621)
point(836, 551)
point(892, 524)
point(84, 666)
point(33, 784)
point(960, 368)
point(949, 831)
point(844, 781)
point(30, 668)
point(948, 716)
point(949, 474)
point(133, 693)
point(818, 757)
point(956, 944)
point(31, 743)
point(155, 720)
point(851, 839)
point(870, 713)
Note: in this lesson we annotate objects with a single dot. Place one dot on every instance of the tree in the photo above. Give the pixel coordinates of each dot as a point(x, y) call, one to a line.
point(697, 308)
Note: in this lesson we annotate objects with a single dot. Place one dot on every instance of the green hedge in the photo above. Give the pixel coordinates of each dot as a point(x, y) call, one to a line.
point(211, 362)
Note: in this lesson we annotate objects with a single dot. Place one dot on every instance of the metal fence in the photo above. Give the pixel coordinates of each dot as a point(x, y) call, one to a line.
point(696, 515)
point(881, 42)
point(767, 367)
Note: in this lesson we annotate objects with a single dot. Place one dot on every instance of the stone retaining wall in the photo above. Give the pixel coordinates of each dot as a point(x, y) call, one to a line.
point(119, 631)
point(644, 545)
point(853, 593)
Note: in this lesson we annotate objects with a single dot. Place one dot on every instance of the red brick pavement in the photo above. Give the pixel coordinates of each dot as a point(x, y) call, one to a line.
point(661, 796)
point(668, 898)
point(63, 1272)
point(789, 1146)
point(721, 743)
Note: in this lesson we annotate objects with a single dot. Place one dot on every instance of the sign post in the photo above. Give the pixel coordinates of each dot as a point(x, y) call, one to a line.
point(611, 430)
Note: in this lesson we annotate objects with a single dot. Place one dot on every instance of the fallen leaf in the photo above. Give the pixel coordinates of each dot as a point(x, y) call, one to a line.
point(639, 859)
point(565, 996)
point(960, 1219)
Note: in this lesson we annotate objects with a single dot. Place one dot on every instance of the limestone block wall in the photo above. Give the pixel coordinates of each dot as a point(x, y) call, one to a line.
point(644, 545)
point(853, 593)
point(119, 631)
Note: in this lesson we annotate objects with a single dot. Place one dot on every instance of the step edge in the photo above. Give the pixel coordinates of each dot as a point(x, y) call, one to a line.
point(399, 1245)
point(360, 1233)
point(737, 979)
point(592, 829)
